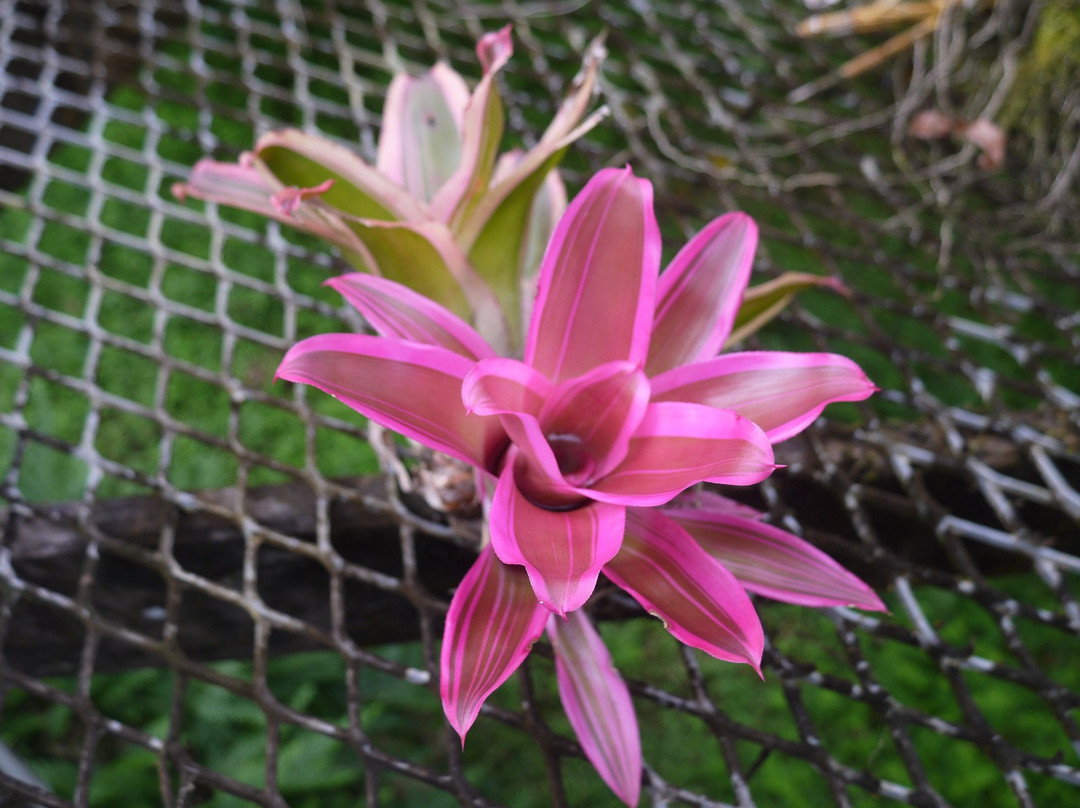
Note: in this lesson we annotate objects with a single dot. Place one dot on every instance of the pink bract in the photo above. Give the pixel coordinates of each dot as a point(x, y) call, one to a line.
point(586, 441)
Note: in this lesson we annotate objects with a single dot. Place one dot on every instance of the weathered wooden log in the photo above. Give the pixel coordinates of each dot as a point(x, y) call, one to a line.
point(141, 563)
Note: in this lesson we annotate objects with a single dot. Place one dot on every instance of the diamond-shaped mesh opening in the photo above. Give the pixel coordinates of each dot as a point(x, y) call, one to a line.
point(211, 594)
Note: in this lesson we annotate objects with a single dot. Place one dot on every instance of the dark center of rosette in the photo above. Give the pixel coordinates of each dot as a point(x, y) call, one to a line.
point(574, 460)
point(576, 466)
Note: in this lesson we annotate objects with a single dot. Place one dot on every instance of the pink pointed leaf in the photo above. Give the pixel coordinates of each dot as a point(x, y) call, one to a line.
point(700, 602)
point(412, 389)
point(495, 48)
point(579, 96)
point(699, 293)
point(493, 621)
point(397, 311)
point(504, 165)
point(499, 223)
point(296, 158)
point(773, 562)
point(562, 550)
point(510, 217)
point(500, 385)
point(566, 127)
point(598, 704)
point(779, 391)
point(454, 89)
point(425, 257)
point(480, 222)
point(597, 281)
point(420, 141)
point(592, 417)
point(482, 131)
point(245, 186)
point(677, 445)
point(700, 499)
point(765, 301)
point(287, 200)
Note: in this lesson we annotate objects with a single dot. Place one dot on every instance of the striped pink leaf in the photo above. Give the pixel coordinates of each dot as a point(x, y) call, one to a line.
point(481, 133)
point(773, 562)
point(420, 140)
point(598, 704)
point(494, 619)
point(412, 389)
point(245, 186)
point(677, 445)
point(779, 391)
point(699, 293)
point(297, 158)
point(597, 281)
point(562, 550)
point(673, 578)
point(397, 311)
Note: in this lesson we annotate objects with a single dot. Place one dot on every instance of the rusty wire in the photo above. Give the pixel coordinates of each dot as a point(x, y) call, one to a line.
point(963, 474)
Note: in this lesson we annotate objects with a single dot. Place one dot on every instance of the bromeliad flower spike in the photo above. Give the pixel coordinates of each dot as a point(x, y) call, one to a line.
point(584, 446)
point(441, 211)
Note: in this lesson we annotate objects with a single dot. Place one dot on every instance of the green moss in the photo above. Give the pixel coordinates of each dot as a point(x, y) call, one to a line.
point(1048, 71)
point(186, 237)
point(233, 132)
point(56, 410)
point(125, 134)
point(197, 466)
point(194, 342)
point(340, 455)
point(198, 403)
point(128, 98)
point(256, 310)
point(127, 375)
point(253, 260)
point(128, 439)
point(337, 126)
point(124, 172)
point(179, 149)
point(61, 292)
point(12, 272)
point(125, 217)
point(189, 286)
point(58, 348)
point(125, 264)
point(272, 432)
point(66, 197)
point(255, 364)
point(10, 376)
point(126, 316)
point(50, 475)
point(65, 242)
point(68, 155)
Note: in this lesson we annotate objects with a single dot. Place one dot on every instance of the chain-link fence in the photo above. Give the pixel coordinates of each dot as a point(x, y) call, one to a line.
point(276, 602)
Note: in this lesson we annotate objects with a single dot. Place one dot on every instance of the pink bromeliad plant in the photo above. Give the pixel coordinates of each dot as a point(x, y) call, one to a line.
point(441, 210)
point(583, 449)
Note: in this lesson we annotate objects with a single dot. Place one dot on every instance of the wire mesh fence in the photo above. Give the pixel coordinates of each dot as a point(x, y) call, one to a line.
point(275, 599)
